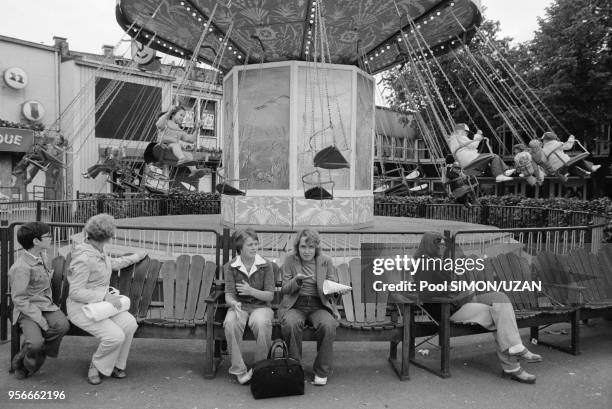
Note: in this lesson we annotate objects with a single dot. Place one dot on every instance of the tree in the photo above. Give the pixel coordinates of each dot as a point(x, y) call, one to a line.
point(572, 64)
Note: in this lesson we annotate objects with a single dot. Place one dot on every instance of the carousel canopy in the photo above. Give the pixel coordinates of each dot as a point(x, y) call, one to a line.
point(372, 34)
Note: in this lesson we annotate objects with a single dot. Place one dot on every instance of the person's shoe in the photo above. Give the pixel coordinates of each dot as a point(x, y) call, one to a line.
point(502, 178)
point(93, 376)
point(595, 168)
point(583, 173)
point(17, 366)
point(118, 373)
point(85, 175)
point(245, 377)
point(527, 356)
point(319, 381)
point(564, 177)
point(509, 172)
point(520, 376)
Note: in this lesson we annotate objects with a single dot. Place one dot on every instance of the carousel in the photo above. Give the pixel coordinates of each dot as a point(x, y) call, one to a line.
point(299, 92)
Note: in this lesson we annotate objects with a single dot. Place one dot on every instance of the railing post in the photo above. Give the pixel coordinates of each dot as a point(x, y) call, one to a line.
point(4, 267)
point(100, 205)
point(38, 211)
point(484, 214)
point(226, 245)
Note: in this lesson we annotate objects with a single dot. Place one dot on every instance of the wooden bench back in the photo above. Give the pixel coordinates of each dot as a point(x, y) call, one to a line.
point(511, 267)
point(187, 283)
point(552, 268)
point(355, 310)
point(587, 270)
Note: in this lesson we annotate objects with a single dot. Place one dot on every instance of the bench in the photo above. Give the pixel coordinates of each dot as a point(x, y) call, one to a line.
point(185, 284)
point(532, 311)
point(360, 321)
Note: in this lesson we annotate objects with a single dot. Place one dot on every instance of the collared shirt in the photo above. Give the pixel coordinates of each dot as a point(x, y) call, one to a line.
point(260, 277)
point(30, 282)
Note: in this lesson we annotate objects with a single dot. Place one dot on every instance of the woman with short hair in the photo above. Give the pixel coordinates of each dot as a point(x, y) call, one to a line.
point(249, 290)
point(89, 277)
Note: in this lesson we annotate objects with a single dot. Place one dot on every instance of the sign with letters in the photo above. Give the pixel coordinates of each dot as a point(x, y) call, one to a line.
point(16, 140)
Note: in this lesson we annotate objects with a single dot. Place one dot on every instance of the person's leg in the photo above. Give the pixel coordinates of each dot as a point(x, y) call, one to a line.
point(233, 326)
point(111, 338)
point(128, 325)
point(497, 166)
point(502, 314)
point(260, 322)
point(58, 327)
point(177, 150)
point(32, 354)
point(325, 331)
point(292, 326)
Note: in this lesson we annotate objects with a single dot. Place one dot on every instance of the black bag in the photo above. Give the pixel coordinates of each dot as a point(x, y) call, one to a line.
point(274, 377)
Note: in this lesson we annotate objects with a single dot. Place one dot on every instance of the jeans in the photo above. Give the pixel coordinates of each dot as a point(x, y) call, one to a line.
point(38, 343)
point(494, 311)
point(311, 310)
point(259, 319)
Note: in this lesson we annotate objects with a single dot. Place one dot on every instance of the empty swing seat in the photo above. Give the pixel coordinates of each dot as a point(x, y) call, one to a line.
point(330, 158)
point(317, 191)
point(227, 189)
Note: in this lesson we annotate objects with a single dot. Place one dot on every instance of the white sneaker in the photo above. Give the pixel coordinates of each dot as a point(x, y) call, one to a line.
point(318, 381)
point(594, 168)
point(502, 178)
point(509, 172)
point(245, 377)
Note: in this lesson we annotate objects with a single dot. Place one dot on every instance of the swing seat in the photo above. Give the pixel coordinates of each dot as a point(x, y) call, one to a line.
point(479, 163)
point(330, 158)
point(227, 189)
point(315, 190)
point(413, 175)
point(37, 164)
point(51, 159)
point(162, 153)
point(318, 193)
point(419, 189)
point(381, 188)
point(155, 180)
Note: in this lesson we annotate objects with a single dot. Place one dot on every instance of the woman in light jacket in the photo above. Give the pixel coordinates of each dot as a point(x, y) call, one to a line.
point(89, 277)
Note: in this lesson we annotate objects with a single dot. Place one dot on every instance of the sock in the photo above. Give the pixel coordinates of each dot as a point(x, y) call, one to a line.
point(515, 349)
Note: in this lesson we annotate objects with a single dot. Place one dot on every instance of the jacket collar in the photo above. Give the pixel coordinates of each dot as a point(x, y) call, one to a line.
point(31, 259)
point(237, 263)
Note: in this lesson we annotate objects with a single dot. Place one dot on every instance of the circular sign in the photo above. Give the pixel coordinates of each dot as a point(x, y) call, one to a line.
point(15, 78)
point(142, 54)
point(33, 110)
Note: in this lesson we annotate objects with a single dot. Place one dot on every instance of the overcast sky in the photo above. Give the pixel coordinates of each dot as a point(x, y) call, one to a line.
point(88, 24)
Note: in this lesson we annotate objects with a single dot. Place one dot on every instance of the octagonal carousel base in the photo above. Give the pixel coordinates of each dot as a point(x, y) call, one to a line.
point(292, 212)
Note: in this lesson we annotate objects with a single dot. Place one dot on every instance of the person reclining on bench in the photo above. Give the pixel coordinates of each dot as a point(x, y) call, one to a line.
point(249, 289)
point(493, 310)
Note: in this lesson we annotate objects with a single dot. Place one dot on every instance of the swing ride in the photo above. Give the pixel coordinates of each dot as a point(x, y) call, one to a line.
point(298, 93)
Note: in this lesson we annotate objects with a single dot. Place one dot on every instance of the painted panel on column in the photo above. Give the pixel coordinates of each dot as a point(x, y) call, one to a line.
point(365, 130)
point(228, 127)
point(263, 106)
point(265, 210)
point(324, 106)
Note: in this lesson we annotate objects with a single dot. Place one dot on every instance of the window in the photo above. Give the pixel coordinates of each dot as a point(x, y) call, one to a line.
point(125, 110)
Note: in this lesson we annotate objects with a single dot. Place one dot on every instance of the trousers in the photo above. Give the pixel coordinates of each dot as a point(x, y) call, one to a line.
point(310, 310)
point(38, 343)
point(259, 320)
point(494, 311)
point(115, 335)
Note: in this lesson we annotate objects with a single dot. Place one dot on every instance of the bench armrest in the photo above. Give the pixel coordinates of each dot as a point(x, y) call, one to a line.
point(214, 297)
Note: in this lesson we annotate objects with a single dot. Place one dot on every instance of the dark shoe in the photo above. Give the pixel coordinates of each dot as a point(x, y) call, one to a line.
point(93, 376)
point(17, 366)
point(520, 376)
point(528, 356)
point(118, 373)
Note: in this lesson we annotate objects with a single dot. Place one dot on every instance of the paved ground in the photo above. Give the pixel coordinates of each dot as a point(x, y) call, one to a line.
point(167, 374)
